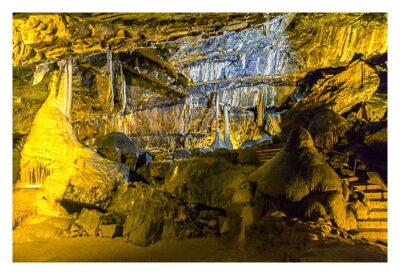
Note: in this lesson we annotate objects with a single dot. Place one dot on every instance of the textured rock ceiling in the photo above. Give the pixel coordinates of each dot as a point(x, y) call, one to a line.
point(40, 37)
point(174, 63)
point(43, 37)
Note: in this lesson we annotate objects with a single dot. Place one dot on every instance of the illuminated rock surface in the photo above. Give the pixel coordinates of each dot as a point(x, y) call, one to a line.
point(241, 57)
point(58, 163)
point(129, 125)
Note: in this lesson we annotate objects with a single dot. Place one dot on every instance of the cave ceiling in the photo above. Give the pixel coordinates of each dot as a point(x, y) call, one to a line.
point(173, 63)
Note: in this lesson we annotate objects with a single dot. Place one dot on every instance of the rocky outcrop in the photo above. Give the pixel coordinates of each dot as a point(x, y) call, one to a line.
point(375, 109)
point(340, 92)
point(150, 214)
point(200, 180)
point(377, 141)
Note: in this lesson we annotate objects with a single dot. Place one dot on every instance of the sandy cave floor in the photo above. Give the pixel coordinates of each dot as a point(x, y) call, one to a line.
point(92, 249)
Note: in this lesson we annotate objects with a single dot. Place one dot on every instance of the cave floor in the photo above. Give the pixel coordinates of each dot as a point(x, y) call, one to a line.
point(92, 249)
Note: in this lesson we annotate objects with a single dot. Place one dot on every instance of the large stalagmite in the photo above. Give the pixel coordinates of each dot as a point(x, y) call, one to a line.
point(53, 160)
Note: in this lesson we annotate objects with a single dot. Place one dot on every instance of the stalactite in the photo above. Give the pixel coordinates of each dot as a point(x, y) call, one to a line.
point(39, 73)
point(217, 110)
point(110, 68)
point(123, 89)
point(36, 170)
point(182, 119)
point(68, 88)
point(260, 109)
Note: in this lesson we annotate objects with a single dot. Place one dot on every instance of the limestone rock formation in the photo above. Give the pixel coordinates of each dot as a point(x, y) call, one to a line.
point(200, 180)
point(170, 71)
point(57, 162)
point(329, 205)
point(150, 214)
point(117, 147)
point(327, 127)
point(117, 128)
point(90, 221)
point(300, 175)
point(340, 92)
point(296, 171)
point(375, 109)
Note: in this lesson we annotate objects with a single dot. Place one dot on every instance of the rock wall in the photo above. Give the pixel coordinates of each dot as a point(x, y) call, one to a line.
point(171, 77)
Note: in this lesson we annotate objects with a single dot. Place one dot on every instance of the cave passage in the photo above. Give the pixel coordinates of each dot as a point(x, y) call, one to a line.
point(234, 136)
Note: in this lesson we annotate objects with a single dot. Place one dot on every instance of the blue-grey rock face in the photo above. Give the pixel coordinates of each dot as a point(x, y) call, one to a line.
point(260, 51)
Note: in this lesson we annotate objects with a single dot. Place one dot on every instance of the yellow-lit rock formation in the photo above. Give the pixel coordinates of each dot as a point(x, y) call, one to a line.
point(56, 163)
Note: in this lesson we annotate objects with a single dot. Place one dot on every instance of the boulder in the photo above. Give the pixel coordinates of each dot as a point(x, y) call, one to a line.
point(143, 174)
point(110, 230)
point(327, 128)
point(124, 199)
point(181, 153)
point(375, 109)
point(201, 180)
point(117, 147)
point(150, 211)
point(94, 181)
point(159, 169)
point(90, 221)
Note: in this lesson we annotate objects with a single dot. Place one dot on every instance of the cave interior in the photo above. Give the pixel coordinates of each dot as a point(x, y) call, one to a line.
point(252, 130)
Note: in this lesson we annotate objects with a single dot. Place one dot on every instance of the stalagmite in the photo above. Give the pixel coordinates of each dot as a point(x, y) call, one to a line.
point(218, 141)
point(54, 160)
point(227, 135)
